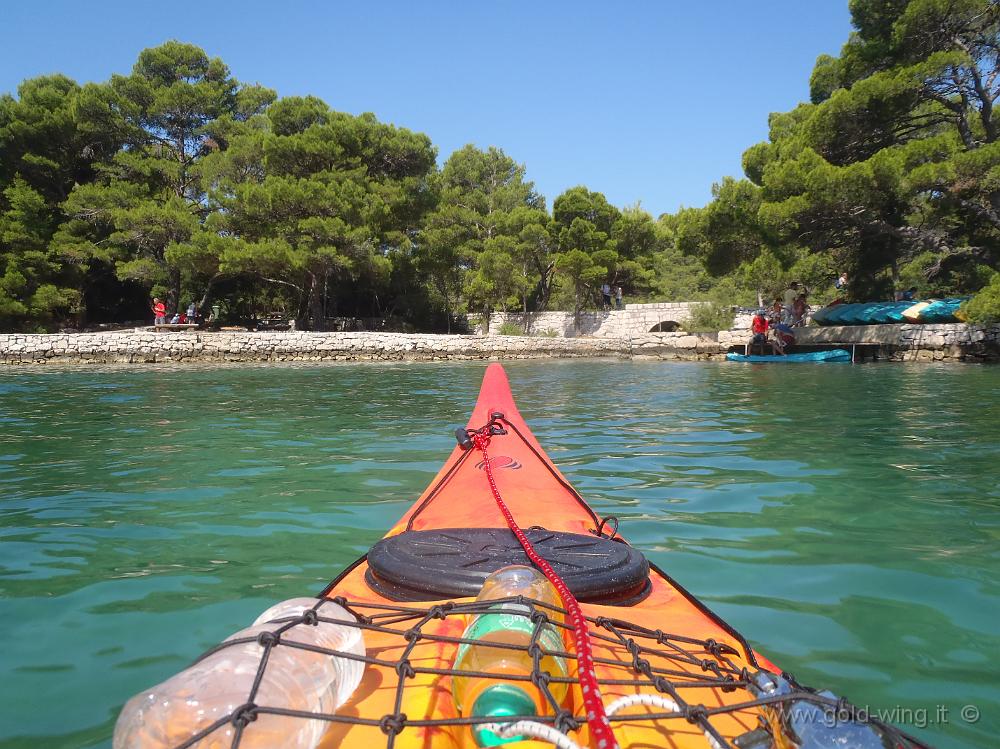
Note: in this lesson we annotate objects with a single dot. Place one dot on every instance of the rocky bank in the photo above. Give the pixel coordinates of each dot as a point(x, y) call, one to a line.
point(891, 342)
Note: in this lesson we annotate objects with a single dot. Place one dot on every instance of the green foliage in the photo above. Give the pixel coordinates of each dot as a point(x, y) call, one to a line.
point(178, 179)
point(148, 200)
point(958, 276)
point(511, 328)
point(764, 275)
point(984, 307)
point(581, 274)
point(486, 240)
point(825, 79)
point(891, 172)
point(710, 317)
point(818, 273)
point(580, 204)
point(727, 231)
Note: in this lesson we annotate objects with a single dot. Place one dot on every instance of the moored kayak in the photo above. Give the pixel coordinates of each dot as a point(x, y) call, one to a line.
point(942, 311)
point(840, 313)
point(835, 355)
point(861, 314)
point(913, 313)
point(669, 671)
point(879, 313)
point(888, 313)
point(819, 316)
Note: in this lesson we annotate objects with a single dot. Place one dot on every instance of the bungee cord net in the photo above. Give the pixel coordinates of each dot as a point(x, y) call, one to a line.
point(667, 689)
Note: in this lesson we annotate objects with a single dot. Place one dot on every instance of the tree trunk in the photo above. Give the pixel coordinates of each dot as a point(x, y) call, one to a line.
point(302, 320)
point(316, 303)
point(174, 291)
point(81, 314)
point(443, 288)
point(544, 289)
point(207, 296)
point(326, 285)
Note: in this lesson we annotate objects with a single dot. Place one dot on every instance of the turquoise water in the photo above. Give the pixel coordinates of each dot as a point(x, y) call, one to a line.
point(845, 518)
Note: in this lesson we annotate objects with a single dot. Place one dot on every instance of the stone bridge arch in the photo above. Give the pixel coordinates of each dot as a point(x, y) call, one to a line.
point(634, 320)
point(665, 326)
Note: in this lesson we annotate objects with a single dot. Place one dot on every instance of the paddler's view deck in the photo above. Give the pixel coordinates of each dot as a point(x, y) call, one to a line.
point(667, 671)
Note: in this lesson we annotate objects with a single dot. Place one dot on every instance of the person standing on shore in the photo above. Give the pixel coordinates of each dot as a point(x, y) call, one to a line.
point(618, 298)
point(605, 296)
point(790, 295)
point(777, 311)
point(799, 308)
point(159, 311)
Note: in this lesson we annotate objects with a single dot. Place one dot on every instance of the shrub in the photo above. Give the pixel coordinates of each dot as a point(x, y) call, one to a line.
point(511, 328)
point(984, 307)
point(709, 317)
point(547, 333)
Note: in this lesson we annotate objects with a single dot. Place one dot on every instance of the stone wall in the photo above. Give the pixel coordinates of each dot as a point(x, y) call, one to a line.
point(635, 319)
point(910, 342)
point(150, 346)
point(956, 341)
point(683, 346)
point(893, 342)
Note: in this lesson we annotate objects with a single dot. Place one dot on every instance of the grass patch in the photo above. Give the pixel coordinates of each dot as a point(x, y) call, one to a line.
point(511, 328)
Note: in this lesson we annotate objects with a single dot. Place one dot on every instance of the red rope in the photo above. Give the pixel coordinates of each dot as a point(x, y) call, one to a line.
point(601, 734)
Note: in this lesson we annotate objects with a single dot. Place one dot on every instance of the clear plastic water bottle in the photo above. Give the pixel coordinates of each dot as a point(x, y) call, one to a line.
point(187, 703)
point(800, 724)
point(347, 673)
point(508, 623)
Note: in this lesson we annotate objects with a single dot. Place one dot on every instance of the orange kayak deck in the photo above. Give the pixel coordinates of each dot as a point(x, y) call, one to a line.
point(701, 665)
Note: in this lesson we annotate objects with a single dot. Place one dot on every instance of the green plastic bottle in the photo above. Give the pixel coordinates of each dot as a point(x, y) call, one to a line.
point(507, 624)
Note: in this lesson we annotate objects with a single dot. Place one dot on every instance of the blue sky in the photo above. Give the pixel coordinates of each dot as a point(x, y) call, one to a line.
point(643, 101)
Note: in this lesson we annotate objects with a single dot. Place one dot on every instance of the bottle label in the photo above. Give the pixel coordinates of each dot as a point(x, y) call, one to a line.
point(512, 618)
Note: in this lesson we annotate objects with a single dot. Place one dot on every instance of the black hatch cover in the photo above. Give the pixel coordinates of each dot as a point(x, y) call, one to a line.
point(454, 562)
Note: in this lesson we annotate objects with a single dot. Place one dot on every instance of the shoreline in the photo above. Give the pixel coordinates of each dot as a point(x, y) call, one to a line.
point(952, 342)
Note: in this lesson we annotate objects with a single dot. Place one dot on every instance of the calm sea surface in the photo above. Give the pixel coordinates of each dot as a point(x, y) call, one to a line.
point(845, 518)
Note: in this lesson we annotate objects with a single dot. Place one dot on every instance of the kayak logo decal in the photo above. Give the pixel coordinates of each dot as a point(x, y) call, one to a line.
point(500, 461)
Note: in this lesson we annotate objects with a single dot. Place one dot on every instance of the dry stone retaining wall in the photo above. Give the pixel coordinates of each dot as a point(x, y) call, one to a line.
point(149, 346)
point(635, 319)
point(955, 341)
point(912, 342)
point(896, 342)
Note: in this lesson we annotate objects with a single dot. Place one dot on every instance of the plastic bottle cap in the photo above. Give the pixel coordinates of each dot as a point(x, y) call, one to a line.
point(500, 701)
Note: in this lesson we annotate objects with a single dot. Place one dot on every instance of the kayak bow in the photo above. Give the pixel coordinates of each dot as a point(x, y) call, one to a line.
point(693, 686)
point(642, 662)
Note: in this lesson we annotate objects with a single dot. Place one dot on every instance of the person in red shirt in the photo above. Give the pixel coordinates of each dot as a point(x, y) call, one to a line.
point(159, 311)
point(760, 326)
